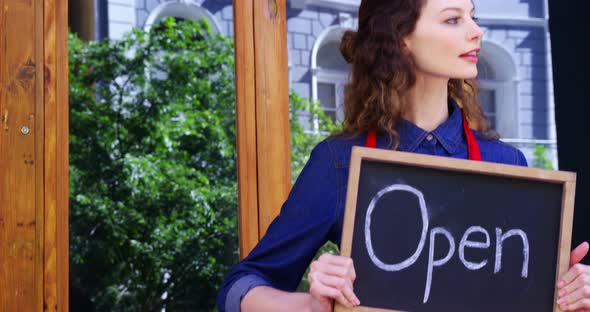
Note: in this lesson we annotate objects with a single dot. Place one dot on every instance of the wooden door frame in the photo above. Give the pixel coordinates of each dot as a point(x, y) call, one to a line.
point(264, 164)
point(55, 155)
point(34, 127)
point(262, 115)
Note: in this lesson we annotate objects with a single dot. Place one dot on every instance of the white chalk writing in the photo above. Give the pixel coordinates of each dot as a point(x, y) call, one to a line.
point(464, 243)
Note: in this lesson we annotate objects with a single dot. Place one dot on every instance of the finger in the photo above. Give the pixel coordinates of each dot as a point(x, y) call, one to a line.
point(580, 282)
point(310, 277)
point(338, 260)
point(582, 292)
point(580, 304)
point(572, 274)
point(341, 261)
point(343, 284)
point(332, 269)
point(579, 253)
point(319, 290)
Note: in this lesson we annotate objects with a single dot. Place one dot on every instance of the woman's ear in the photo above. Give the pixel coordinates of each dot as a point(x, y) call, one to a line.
point(407, 45)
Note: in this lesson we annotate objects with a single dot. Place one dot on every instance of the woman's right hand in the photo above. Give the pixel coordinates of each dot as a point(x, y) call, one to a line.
point(331, 278)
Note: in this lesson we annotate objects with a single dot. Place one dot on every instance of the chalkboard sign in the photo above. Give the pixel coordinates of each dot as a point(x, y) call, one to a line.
point(432, 233)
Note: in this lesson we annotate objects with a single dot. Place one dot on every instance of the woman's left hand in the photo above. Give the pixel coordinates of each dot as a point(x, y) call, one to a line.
point(574, 286)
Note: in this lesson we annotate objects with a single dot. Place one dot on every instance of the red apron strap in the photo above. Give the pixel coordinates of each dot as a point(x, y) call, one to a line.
point(472, 147)
point(371, 140)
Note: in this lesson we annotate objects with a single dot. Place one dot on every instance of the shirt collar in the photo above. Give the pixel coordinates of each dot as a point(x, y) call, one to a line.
point(449, 133)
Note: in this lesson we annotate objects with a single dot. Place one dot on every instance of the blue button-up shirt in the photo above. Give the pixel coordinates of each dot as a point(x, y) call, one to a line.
point(313, 213)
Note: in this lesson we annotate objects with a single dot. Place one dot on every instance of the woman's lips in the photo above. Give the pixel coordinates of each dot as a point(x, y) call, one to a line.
point(469, 58)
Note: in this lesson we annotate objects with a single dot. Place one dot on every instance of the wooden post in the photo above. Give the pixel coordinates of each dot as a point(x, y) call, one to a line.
point(264, 162)
point(56, 155)
point(21, 156)
point(33, 155)
point(81, 18)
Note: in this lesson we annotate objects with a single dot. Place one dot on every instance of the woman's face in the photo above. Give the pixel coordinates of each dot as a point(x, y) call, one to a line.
point(445, 31)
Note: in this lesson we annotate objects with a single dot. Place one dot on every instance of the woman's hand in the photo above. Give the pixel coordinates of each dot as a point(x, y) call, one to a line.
point(331, 278)
point(574, 286)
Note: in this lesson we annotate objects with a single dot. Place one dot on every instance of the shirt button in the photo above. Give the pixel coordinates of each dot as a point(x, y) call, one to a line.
point(429, 137)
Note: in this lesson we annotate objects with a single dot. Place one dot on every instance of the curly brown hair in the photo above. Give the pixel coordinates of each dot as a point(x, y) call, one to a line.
point(383, 71)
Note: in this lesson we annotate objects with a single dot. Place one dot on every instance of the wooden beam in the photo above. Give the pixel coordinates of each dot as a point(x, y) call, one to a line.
point(56, 257)
point(246, 126)
point(50, 238)
point(81, 21)
point(21, 155)
point(62, 156)
point(33, 155)
point(264, 162)
point(272, 108)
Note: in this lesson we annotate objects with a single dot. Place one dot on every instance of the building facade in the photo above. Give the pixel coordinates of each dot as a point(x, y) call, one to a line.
point(515, 71)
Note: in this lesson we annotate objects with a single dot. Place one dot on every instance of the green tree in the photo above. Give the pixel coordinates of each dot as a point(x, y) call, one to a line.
point(153, 185)
point(541, 159)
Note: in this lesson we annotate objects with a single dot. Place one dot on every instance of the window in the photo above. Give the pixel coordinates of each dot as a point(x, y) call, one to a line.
point(487, 95)
point(327, 97)
point(487, 99)
point(330, 73)
point(181, 11)
point(497, 89)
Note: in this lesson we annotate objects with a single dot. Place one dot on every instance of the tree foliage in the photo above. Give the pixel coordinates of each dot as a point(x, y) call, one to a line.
point(153, 177)
point(541, 159)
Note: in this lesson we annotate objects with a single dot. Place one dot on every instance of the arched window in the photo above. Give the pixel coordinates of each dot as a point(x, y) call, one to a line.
point(330, 72)
point(497, 88)
point(181, 11)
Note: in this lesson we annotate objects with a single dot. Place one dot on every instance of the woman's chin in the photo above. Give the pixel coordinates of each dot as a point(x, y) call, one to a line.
point(465, 75)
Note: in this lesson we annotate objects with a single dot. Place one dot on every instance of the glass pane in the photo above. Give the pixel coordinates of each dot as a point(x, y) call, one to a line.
point(484, 70)
point(492, 119)
point(329, 57)
point(341, 88)
point(331, 114)
point(153, 186)
point(327, 95)
point(487, 100)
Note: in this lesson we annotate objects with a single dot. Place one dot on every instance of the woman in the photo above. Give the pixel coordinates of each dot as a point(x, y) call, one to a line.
point(413, 62)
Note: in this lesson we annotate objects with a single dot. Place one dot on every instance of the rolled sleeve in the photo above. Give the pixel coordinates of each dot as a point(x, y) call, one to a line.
point(239, 289)
point(306, 221)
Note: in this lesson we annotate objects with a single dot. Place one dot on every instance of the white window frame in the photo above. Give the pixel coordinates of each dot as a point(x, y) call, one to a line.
point(185, 9)
point(341, 5)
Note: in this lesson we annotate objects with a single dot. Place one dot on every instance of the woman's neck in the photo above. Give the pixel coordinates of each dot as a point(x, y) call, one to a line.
point(427, 105)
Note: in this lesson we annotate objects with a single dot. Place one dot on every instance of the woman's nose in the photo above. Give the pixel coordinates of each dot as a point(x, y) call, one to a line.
point(475, 31)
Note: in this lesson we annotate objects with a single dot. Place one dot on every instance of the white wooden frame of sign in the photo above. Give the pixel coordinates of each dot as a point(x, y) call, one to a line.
point(566, 179)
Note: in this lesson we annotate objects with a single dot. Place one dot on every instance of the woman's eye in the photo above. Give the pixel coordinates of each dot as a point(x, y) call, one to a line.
point(453, 20)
